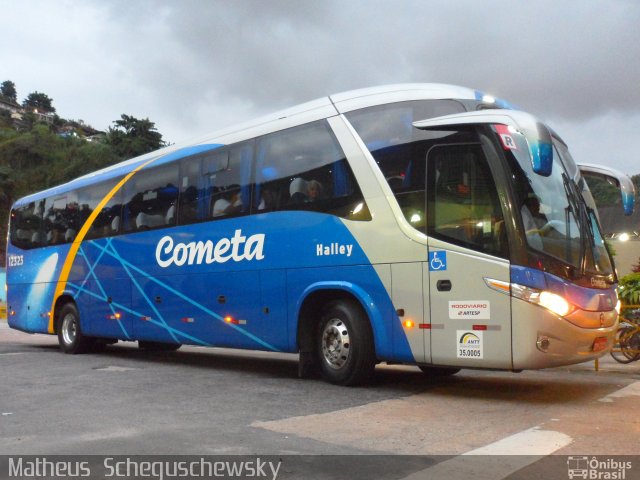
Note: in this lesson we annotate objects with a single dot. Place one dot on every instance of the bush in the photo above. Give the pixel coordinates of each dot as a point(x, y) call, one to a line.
point(629, 289)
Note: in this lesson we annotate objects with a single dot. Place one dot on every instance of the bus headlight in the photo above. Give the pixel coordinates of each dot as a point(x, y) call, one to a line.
point(555, 303)
point(550, 301)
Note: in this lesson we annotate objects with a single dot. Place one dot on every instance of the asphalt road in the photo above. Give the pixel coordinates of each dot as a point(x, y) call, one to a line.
point(200, 401)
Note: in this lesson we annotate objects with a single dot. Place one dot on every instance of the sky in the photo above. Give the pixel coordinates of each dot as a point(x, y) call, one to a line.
point(195, 66)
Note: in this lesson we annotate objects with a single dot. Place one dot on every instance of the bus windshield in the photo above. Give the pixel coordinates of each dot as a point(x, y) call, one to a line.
point(556, 215)
point(597, 255)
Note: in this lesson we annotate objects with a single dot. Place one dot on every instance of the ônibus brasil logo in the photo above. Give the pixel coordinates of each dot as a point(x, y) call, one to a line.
point(236, 248)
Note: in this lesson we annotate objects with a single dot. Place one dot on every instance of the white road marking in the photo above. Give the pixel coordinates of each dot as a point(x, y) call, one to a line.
point(529, 442)
point(114, 368)
point(499, 459)
point(631, 390)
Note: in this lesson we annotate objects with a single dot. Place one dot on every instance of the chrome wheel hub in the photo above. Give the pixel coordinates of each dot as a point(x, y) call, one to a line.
point(69, 329)
point(335, 343)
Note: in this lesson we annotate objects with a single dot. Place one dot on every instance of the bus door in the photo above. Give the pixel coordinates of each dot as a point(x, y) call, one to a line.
point(468, 270)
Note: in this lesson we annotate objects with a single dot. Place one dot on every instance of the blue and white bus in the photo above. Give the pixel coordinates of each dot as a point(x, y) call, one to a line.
point(422, 224)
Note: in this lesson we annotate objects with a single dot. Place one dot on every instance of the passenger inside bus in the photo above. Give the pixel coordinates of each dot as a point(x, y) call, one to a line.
point(303, 191)
point(267, 200)
point(533, 220)
point(229, 202)
point(531, 215)
point(314, 190)
point(297, 190)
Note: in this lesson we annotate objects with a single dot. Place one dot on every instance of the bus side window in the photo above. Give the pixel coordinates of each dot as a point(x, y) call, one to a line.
point(463, 204)
point(151, 198)
point(304, 168)
point(107, 222)
point(191, 190)
point(26, 225)
point(228, 185)
point(60, 220)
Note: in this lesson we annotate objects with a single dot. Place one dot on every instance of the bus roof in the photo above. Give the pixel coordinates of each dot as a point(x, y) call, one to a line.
point(306, 112)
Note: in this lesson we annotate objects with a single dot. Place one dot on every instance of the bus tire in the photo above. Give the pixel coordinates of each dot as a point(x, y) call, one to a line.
point(438, 371)
point(345, 348)
point(158, 346)
point(70, 335)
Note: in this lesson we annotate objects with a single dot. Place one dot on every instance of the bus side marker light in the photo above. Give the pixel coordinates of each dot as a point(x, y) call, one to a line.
point(409, 323)
point(230, 319)
point(188, 320)
point(145, 318)
point(498, 285)
point(115, 316)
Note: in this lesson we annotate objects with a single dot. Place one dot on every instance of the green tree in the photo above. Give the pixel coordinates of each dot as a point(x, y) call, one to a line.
point(8, 90)
point(36, 157)
point(603, 192)
point(7, 187)
point(39, 101)
point(132, 137)
point(5, 119)
point(39, 158)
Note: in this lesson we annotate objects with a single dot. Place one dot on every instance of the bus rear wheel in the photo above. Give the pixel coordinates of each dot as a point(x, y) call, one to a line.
point(70, 336)
point(345, 348)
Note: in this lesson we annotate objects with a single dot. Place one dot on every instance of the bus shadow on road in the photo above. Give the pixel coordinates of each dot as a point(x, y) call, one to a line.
point(534, 387)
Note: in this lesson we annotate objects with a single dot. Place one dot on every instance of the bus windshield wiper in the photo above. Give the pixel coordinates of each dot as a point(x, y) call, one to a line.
point(581, 218)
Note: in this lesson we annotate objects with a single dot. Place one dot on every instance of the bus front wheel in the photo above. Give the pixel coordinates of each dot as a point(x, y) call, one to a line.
point(345, 344)
point(70, 335)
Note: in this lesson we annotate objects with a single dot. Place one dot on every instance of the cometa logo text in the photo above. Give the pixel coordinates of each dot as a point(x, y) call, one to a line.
point(236, 248)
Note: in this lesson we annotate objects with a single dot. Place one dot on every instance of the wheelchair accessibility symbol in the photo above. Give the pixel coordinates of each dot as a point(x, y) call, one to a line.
point(437, 261)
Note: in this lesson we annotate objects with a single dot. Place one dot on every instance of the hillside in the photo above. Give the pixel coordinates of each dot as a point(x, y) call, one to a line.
point(39, 149)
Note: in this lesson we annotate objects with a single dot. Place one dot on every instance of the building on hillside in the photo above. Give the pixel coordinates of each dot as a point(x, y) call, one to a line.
point(10, 106)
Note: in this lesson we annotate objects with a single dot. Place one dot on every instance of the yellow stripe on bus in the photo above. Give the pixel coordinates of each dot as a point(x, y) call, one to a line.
point(75, 246)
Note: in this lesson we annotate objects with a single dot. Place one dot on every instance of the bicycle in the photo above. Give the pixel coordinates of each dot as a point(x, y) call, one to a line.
point(626, 348)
